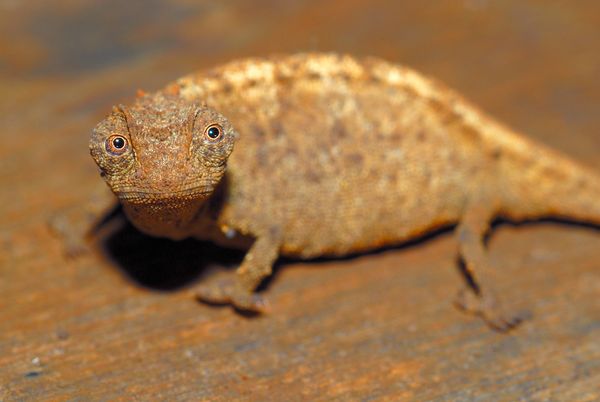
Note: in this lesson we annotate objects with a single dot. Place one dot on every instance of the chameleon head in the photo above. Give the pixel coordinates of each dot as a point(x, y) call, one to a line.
point(162, 157)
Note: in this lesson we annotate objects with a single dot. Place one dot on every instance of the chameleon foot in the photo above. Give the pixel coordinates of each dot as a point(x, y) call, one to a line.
point(73, 237)
point(227, 291)
point(487, 307)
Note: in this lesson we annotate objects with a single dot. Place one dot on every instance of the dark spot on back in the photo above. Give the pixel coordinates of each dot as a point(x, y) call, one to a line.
point(396, 135)
point(312, 176)
point(411, 92)
point(262, 156)
point(448, 116)
point(373, 173)
point(345, 77)
point(227, 88)
point(289, 152)
point(471, 134)
point(373, 78)
point(258, 130)
point(284, 80)
point(551, 171)
point(277, 127)
point(355, 159)
point(474, 169)
point(427, 176)
point(339, 130)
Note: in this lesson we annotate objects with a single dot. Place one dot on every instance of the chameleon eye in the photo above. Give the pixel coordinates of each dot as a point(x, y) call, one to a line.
point(213, 132)
point(116, 145)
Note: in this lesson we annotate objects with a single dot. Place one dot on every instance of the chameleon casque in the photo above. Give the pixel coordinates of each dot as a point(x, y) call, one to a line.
point(324, 155)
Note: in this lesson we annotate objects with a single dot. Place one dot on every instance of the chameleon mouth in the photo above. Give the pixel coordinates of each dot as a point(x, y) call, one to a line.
point(174, 198)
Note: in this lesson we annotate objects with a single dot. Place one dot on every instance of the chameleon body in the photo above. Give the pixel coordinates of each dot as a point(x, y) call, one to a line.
point(322, 154)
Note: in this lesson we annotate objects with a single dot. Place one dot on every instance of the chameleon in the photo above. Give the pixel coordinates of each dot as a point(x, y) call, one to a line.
point(322, 154)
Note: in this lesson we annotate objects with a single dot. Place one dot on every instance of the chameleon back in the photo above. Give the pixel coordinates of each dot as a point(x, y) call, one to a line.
point(344, 164)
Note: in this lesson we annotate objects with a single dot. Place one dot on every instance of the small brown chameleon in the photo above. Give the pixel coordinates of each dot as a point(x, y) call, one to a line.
point(322, 154)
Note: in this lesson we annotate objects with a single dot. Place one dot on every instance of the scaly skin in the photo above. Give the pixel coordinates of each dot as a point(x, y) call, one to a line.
point(332, 156)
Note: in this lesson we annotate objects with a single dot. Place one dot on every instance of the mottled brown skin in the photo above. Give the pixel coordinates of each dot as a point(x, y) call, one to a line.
point(332, 155)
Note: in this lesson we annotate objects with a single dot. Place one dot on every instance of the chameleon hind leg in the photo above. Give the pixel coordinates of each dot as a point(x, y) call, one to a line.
point(479, 297)
point(239, 290)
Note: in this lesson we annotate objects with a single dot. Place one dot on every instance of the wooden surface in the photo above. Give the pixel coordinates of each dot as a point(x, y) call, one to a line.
point(120, 324)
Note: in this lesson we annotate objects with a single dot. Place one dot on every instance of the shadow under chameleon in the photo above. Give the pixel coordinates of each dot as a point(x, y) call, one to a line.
point(165, 265)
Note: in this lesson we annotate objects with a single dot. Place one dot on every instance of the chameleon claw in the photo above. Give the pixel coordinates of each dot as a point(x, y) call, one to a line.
point(487, 307)
point(225, 291)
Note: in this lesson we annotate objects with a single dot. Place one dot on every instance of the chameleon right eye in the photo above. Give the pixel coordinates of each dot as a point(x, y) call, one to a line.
point(116, 144)
point(214, 132)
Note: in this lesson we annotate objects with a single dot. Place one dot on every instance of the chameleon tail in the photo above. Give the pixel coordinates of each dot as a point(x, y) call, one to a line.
point(542, 183)
point(535, 181)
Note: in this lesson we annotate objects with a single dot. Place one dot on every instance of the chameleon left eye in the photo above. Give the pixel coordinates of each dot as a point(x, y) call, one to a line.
point(213, 132)
point(116, 144)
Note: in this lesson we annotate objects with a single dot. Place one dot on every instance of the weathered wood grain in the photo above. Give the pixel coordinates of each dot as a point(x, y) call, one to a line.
point(120, 324)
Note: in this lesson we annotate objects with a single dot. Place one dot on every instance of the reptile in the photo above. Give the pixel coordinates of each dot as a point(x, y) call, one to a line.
point(310, 155)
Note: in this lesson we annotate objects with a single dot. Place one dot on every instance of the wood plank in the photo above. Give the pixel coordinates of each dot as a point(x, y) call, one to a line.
point(120, 324)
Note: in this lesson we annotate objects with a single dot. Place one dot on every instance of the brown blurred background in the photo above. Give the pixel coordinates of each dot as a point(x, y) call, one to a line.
point(120, 323)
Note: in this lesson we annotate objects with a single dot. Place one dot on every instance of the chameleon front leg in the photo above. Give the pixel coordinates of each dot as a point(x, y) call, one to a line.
point(479, 297)
point(75, 224)
point(239, 291)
